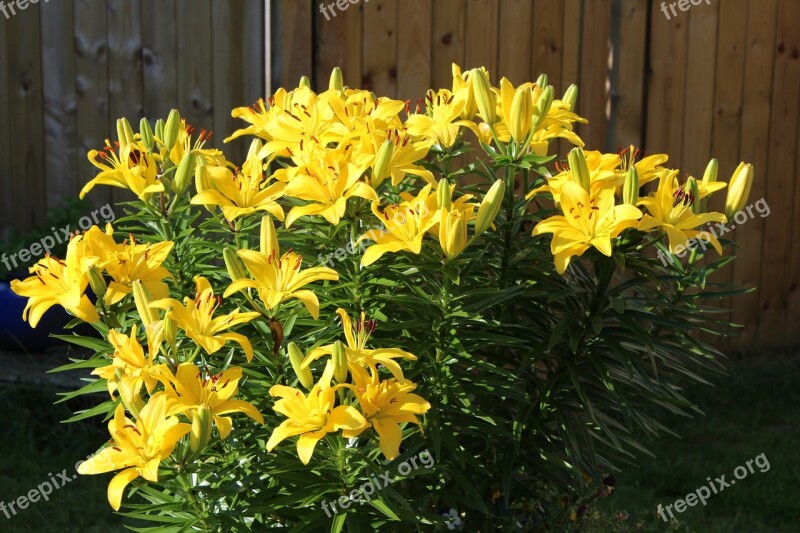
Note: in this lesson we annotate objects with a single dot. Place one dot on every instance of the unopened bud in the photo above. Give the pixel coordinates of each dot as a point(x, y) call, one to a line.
point(142, 299)
point(443, 194)
point(383, 159)
point(336, 82)
point(159, 129)
point(739, 189)
point(201, 428)
point(303, 373)
point(542, 81)
point(484, 98)
point(304, 82)
point(97, 282)
point(171, 129)
point(521, 114)
point(489, 207)
point(170, 330)
point(124, 132)
point(710, 175)
point(233, 264)
point(147, 134)
point(571, 97)
point(543, 105)
point(185, 169)
point(339, 362)
point(694, 194)
point(579, 169)
point(630, 191)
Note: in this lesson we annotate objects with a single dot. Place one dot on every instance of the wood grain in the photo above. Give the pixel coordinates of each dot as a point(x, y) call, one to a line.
point(380, 52)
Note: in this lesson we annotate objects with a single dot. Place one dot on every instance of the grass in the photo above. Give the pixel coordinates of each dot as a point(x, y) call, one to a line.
point(756, 409)
point(35, 445)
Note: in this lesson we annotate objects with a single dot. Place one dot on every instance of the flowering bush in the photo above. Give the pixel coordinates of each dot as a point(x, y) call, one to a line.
point(373, 286)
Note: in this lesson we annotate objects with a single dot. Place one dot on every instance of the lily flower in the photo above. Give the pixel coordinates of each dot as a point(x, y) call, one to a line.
point(133, 168)
point(385, 405)
point(406, 224)
point(130, 369)
point(196, 319)
point(137, 447)
point(312, 416)
point(670, 209)
point(358, 355)
point(586, 222)
point(279, 277)
point(442, 121)
point(59, 282)
point(191, 390)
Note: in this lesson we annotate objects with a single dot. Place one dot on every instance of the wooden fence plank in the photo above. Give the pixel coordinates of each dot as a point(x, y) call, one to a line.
point(26, 119)
point(380, 47)
point(548, 43)
point(338, 44)
point(595, 51)
point(726, 134)
point(238, 51)
point(514, 46)
point(91, 87)
point(793, 313)
point(449, 20)
point(665, 93)
point(294, 35)
point(775, 252)
point(60, 121)
point(630, 74)
point(194, 87)
point(7, 220)
point(159, 56)
point(414, 48)
point(480, 35)
point(756, 110)
point(571, 60)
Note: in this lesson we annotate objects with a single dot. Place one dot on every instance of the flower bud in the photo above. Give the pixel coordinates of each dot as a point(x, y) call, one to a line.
point(124, 132)
point(571, 97)
point(339, 362)
point(201, 428)
point(739, 189)
point(142, 299)
point(710, 175)
point(268, 239)
point(489, 207)
point(542, 81)
point(170, 330)
point(382, 161)
point(97, 282)
point(630, 191)
point(171, 129)
point(336, 82)
point(453, 233)
point(181, 182)
point(159, 129)
point(521, 114)
point(579, 169)
point(233, 264)
point(694, 194)
point(304, 82)
point(484, 97)
point(147, 134)
point(443, 194)
point(303, 373)
point(543, 105)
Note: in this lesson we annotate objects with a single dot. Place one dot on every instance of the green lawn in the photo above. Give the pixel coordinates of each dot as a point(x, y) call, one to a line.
point(755, 410)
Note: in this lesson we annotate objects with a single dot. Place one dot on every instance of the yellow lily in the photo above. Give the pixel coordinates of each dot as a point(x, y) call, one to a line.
point(670, 209)
point(586, 222)
point(603, 173)
point(138, 447)
point(191, 391)
point(406, 224)
point(195, 318)
point(312, 416)
point(132, 168)
point(442, 121)
point(327, 182)
point(392, 157)
point(128, 262)
point(59, 282)
point(241, 192)
point(130, 369)
point(279, 277)
point(358, 355)
point(385, 405)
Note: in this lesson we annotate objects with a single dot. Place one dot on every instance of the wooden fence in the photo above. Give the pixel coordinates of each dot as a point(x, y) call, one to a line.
point(721, 79)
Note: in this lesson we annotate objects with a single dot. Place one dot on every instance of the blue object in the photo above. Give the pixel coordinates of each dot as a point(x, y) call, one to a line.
point(18, 335)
